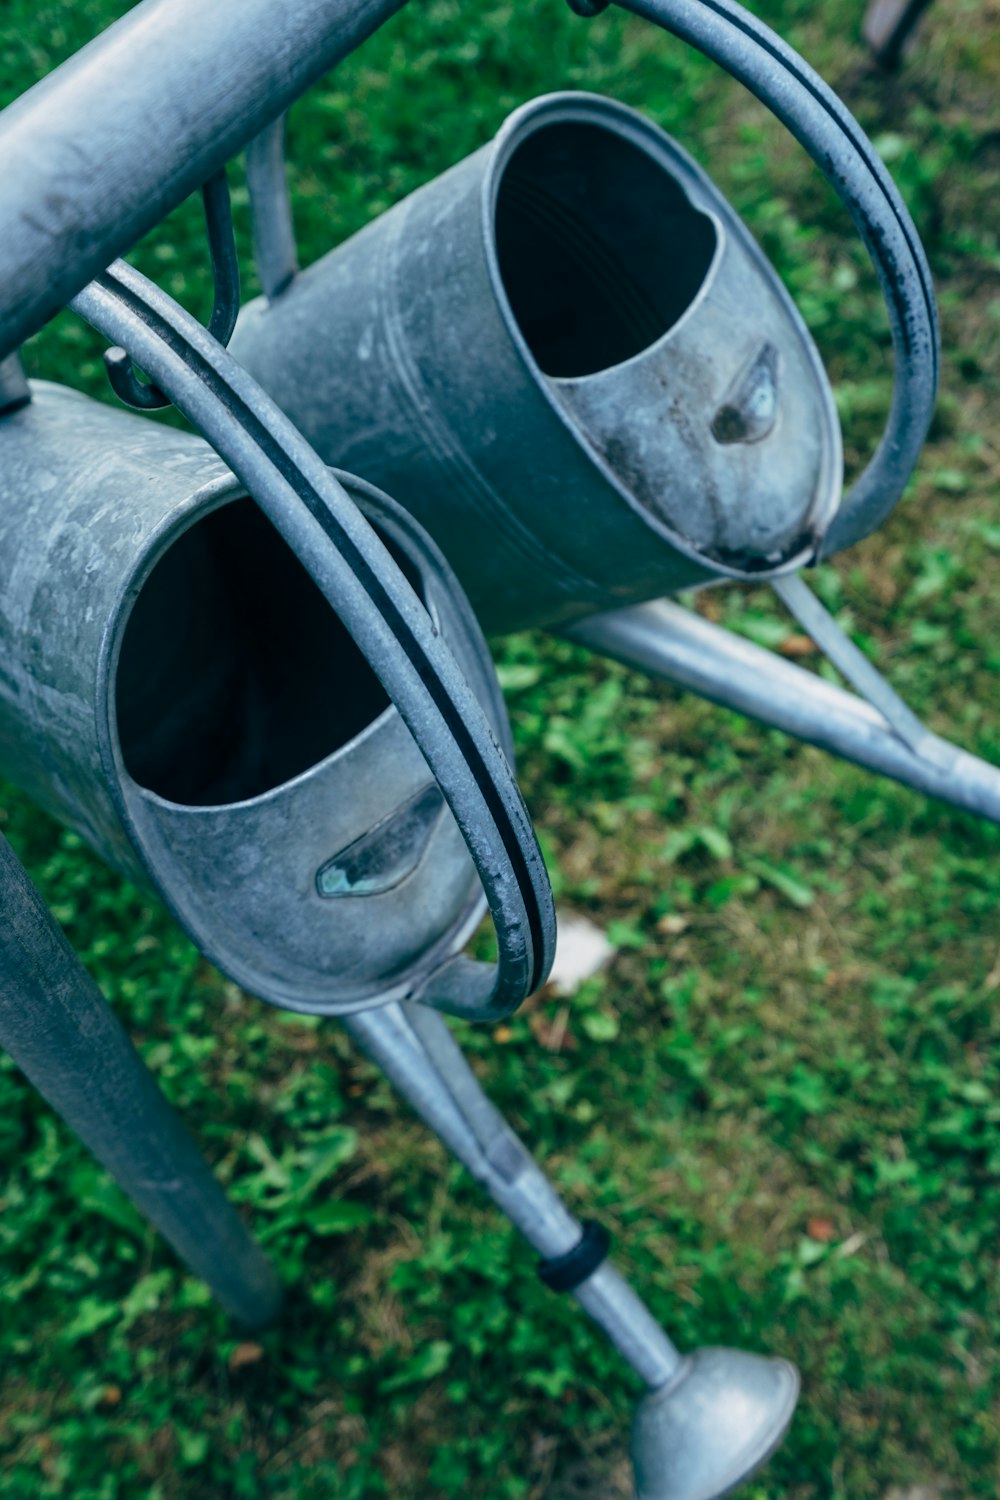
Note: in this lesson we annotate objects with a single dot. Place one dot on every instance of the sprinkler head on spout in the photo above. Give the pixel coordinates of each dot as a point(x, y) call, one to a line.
point(712, 1426)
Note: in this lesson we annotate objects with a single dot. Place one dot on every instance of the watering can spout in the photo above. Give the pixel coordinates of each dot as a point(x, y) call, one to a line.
point(713, 1425)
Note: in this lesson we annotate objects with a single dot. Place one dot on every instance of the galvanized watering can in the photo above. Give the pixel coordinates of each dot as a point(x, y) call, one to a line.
point(169, 658)
point(175, 687)
point(569, 358)
point(569, 345)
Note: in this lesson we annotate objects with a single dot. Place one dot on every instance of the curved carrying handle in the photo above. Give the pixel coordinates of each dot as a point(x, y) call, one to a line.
point(820, 121)
point(359, 579)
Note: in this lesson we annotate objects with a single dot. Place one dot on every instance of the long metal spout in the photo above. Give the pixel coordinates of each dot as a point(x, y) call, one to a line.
point(669, 641)
point(710, 1418)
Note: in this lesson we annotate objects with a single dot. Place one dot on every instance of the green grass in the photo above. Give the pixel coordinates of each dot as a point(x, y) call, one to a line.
point(784, 1098)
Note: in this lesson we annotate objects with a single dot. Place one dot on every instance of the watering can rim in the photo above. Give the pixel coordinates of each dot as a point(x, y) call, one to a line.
point(230, 490)
point(128, 795)
point(588, 108)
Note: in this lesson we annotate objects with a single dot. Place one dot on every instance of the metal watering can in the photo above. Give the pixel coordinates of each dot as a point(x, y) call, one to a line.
point(176, 688)
point(570, 344)
point(582, 433)
point(711, 1417)
point(148, 709)
point(569, 358)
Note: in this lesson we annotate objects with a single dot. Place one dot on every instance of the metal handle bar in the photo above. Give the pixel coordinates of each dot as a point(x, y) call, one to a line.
point(248, 59)
point(359, 579)
point(102, 149)
point(810, 109)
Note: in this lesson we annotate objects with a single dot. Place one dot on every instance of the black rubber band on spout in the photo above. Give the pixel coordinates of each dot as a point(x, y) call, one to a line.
point(563, 1273)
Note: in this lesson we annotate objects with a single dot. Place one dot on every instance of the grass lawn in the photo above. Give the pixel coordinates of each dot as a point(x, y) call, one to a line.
point(784, 1095)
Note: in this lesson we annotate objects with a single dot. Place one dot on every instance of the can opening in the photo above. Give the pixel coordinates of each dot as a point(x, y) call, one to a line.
point(235, 675)
point(600, 250)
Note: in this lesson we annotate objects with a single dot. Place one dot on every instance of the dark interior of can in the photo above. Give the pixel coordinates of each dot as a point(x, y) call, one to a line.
point(235, 674)
point(600, 250)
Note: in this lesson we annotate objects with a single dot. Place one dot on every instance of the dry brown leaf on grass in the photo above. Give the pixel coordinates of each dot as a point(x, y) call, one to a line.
point(798, 645)
point(821, 1229)
point(245, 1354)
point(552, 1031)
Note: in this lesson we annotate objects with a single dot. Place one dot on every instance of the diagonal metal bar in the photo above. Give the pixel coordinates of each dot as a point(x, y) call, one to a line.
point(100, 151)
point(800, 601)
point(670, 642)
point(421, 1059)
point(61, 1032)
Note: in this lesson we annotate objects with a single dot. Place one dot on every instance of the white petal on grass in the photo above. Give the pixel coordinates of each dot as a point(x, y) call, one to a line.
point(582, 950)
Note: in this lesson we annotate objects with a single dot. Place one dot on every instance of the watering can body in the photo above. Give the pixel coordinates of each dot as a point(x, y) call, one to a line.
point(175, 688)
point(569, 359)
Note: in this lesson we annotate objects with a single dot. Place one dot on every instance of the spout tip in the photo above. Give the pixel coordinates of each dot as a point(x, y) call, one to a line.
point(712, 1426)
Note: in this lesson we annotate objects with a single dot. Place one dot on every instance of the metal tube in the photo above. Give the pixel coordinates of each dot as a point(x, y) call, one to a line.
point(58, 1028)
point(438, 1083)
point(668, 641)
point(271, 210)
point(14, 391)
point(853, 665)
point(97, 153)
point(888, 27)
